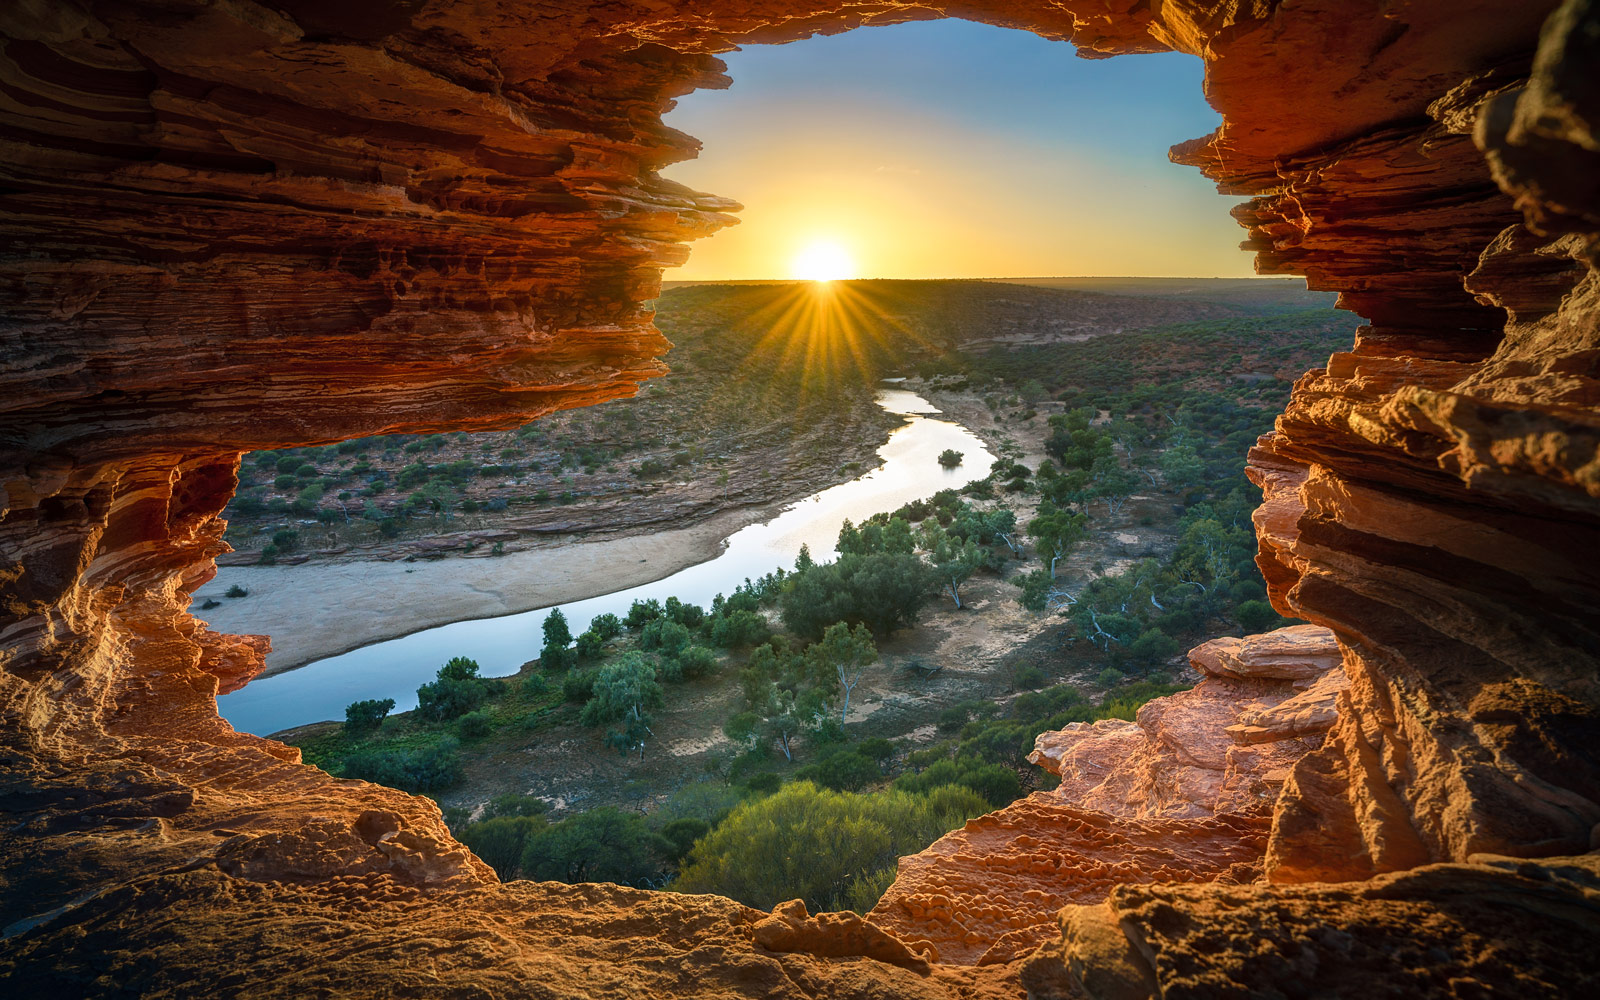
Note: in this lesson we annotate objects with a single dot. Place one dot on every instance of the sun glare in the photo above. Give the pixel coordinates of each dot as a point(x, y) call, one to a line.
point(824, 261)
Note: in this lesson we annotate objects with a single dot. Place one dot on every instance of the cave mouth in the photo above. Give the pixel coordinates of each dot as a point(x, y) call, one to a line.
point(193, 272)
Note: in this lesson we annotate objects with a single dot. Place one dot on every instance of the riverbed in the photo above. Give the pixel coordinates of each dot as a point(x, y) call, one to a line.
point(394, 668)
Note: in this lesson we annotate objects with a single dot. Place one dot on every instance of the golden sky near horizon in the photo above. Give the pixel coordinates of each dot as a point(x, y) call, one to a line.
point(909, 151)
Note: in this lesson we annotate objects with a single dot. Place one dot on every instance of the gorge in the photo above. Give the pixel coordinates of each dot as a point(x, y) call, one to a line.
point(233, 226)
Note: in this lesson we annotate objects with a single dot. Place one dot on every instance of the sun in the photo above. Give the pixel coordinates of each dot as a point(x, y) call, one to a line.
point(824, 261)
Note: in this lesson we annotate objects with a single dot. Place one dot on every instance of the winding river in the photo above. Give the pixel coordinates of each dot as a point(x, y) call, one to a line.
point(396, 667)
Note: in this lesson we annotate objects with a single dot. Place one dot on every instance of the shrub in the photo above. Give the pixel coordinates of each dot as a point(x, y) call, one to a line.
point(816, 844)
point(687, 615)
point(764, 783)
point(448, 698)
point(306, 470)
point(501, 840)
point(474, 725)
point(1029, 678)
point(578, 686)
point(360, 716)
point(209, 604)
point(285, 482)
point(590, 645)
point(286, 540)
point(643, 612)
point(953, 718)
point(665, 636)
point(845, 771)
point(950, 458)
point(459, 668)
point(421, 770)
point(1153, 647)
point(269, 554)
point(1255, 616)
point(682, 833)
point(535, 684)
point(512, 804)
point(691, 662)
point(236, 591)
point(606, 626)
point(738, 629)
point(601, 845)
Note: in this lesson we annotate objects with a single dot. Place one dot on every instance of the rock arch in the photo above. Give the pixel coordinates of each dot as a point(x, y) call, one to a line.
point(237, 225)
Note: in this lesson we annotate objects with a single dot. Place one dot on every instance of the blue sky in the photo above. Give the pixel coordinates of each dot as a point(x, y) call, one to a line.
point(954, 149)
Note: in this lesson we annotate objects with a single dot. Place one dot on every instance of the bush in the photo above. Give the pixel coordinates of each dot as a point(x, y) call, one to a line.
point(606, 626)
point(474, 725)
point(952, 718)
point(423, 770)
point(236, 591)
point(643, 612)
point(361, 716)
point(1255, 616)
point(448, 698)
point(1029, 678)
point(687, 615)
point(808, 842)
point(950, 458)
point(682, 833)
point(739, 629)
point(578, 686)
point(501, 840)
point(665, 636)
point(691, 662)
point(269, 555)
point(590, 645)
point(1153, 647)
point(534, 685)
point(286, 540)
point(459, 668)
point(845, 771)
point(601, 845)
point(512, 804)
point(286, 481)
point(764, 783)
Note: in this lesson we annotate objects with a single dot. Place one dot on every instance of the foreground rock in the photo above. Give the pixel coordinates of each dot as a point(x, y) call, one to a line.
point(1224, 746)
point(1170, 798)
point(232, 226)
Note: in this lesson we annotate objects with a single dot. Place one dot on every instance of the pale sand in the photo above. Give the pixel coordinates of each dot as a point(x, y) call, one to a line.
point(322, 609)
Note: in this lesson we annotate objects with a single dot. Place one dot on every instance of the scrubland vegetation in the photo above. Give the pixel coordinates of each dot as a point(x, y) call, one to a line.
point(1143, 430)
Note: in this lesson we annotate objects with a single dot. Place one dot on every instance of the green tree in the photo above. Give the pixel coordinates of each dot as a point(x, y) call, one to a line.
point(847, 652)
point(500, 842)
point(361, 716)
point(1055, 533)
point(808, 842)
point(601, 845)
point(623, 694)
point(953, 559)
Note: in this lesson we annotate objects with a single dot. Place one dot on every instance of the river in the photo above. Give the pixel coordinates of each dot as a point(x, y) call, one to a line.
point(395, 668)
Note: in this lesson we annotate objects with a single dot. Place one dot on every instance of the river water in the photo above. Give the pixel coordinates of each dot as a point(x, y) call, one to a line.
point(395, 668)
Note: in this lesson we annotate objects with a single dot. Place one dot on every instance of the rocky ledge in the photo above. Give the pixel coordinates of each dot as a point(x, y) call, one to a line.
point(235, 225)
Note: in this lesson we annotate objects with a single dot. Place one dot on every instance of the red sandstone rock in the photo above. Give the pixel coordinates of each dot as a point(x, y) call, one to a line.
point(231, 226)
point(1182, 757)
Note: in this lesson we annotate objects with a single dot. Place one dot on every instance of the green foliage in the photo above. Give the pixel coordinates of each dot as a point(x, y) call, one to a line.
point(474, 725)
point(816, 844)
point(512, 804)
point(642, 613)
point(623, 694)
point(665, 636)
point(590, 645)
point(410, 770)
point(449, 698)
point(845, 770)
point(1255, 616)
point(535, 684)
point(236, 591)
point(578, 686)
point(883, 591)
point(607, 626)
point(689, 663)
point(601, 845)
point(363, 716)
point(998, 785)
point(738, 629)
point(950, 458)
point(286, 540)
point(500, 841)
point(459, 668)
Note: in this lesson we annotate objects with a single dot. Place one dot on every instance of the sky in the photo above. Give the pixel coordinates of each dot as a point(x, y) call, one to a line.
point(952, 149)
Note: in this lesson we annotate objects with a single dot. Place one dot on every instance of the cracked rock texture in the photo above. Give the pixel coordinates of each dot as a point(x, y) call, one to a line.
point(230, 225)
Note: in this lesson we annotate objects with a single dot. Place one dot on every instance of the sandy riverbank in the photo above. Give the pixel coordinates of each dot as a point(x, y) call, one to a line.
point(316, 611)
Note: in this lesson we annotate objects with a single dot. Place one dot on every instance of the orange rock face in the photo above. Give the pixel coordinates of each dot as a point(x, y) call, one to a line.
point(1172, 797)
point(236, 225)
point(1224, 746)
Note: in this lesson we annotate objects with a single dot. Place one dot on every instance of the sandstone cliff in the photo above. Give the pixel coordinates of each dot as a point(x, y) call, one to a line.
point(232, 225)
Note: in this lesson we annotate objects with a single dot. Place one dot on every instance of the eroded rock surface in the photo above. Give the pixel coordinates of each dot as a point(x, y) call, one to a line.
point(237, 225)
point(1223, 746)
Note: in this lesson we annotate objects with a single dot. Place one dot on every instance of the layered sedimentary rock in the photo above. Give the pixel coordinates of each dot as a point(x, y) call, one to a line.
point(1172, 797)
point(231, 225)
point(1225, 746)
